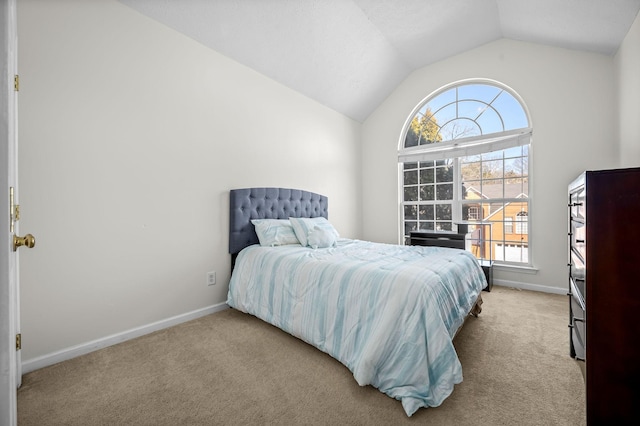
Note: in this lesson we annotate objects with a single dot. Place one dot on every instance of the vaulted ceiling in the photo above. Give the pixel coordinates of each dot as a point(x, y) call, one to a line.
point(351, 54)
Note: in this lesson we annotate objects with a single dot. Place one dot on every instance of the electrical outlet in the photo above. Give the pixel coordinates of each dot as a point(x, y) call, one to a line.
point(211, 278)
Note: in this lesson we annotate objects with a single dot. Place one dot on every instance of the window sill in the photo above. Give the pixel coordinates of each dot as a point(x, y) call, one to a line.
point(515, 268)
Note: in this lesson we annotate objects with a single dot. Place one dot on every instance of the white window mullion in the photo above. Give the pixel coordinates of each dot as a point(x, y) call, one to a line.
point(466, 147)
point(457, 193)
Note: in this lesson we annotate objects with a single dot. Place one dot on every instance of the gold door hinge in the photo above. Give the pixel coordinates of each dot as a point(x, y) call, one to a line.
point(16, 83)
point(18, 341)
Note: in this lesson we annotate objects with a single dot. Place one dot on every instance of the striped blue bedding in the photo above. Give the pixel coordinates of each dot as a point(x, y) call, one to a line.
point(387, 312)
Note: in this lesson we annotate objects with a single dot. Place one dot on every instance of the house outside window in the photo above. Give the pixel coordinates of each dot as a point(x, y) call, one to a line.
point(464, 158)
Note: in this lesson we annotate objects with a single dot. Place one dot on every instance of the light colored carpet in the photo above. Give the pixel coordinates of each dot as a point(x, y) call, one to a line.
point(231, 368)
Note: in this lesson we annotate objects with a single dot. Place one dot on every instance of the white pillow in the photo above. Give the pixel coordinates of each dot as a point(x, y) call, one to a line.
point(302, 226)
point(275, 232)
point(321, 238)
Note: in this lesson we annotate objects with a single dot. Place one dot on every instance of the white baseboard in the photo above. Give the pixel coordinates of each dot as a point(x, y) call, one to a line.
point(532, 287)
point(94, 345)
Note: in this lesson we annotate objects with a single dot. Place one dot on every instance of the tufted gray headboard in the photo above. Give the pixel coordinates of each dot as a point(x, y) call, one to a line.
point(268, 203)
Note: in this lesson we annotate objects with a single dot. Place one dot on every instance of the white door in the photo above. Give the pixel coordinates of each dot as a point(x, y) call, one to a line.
point(10, 365)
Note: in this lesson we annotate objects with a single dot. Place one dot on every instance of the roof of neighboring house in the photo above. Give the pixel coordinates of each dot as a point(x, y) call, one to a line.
point(511, 190)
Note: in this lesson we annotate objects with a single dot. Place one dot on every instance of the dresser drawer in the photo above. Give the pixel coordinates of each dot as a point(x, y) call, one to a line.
point(577, 203)
point(578, 327)
point(578, 237)
point(577, 273)
point(578, 346)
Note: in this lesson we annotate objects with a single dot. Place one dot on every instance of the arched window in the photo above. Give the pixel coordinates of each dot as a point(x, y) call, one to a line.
point(464, 157)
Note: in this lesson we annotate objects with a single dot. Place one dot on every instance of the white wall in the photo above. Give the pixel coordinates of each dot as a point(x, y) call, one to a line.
point(131, 136)
point(627, 63)
point(570, 96)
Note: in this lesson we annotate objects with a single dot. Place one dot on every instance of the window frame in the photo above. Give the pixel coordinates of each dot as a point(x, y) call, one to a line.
point(476, 213)
point(522, 226)
point(433, 201)
point(454, 150)
point(508, 225)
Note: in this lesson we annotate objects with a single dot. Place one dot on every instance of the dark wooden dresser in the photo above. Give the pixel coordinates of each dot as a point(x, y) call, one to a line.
point(604, 291)
point(451, 240)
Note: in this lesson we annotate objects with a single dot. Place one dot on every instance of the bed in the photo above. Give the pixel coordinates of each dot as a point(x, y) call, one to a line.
point(387, 312)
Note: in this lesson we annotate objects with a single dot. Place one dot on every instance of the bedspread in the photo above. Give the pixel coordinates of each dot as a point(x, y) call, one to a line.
point(387, 312)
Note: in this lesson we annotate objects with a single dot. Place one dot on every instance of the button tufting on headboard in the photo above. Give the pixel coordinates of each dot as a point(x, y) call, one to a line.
point(270, 203)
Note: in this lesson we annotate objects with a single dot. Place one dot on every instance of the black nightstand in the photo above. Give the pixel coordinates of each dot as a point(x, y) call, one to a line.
point(487, 268)
point(451, 240)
